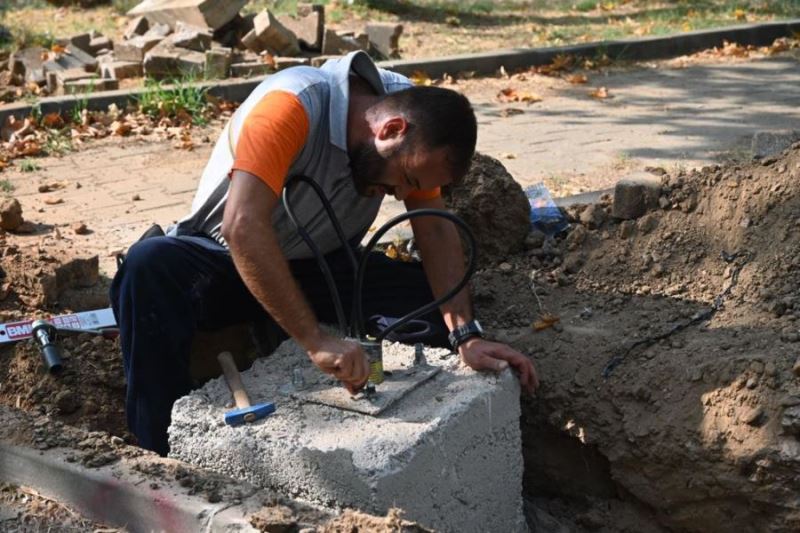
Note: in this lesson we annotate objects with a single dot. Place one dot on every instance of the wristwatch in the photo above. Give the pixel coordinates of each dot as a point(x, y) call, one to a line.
point(462, 333)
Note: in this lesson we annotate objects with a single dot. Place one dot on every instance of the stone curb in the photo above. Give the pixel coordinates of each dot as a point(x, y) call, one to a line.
point(115, 495)
point(482, 63)
point(629, 49)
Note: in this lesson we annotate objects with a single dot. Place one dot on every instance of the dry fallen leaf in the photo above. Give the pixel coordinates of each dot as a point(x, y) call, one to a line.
point(120, 128)
point(58, 49)
point(391, 251)
point(740, 14)
point(53, 121)
point(421, 78)
point(577, 78)
point(546, 320)
point(600, 93)
point(512, 95)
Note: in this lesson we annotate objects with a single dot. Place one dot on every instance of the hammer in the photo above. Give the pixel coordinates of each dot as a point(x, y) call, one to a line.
point(244, 412)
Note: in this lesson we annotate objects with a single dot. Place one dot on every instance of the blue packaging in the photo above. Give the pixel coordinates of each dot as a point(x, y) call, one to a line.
point(545, 214)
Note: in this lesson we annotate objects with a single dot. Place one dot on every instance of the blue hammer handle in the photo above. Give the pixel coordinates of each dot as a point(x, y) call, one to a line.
point(244, 412)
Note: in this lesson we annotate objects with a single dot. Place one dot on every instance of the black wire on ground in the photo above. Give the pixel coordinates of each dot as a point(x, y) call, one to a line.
point(359, 268)
point(700, 316)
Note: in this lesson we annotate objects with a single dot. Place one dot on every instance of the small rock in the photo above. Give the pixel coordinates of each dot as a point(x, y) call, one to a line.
point(136, 197)
point(576, 237)
point(752, 383)
point(10, 214)
point(80, 228)
point(796, 368)
point(593, 216)
point(753, 417)
point(505, 267)
point(535, 239)
point(67, 402)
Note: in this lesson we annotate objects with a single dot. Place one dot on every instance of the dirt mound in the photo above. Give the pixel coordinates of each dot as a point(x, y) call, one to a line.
point(650, 395)
point(494, 206)
point(89, 393)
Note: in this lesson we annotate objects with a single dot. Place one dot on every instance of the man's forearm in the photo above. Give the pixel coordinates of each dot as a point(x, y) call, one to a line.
point(443, 259)
point(265, 271)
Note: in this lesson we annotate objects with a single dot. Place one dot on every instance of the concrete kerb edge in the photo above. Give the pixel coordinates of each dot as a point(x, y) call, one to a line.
point(108, 494)
point(482, 63)
point(628, 49)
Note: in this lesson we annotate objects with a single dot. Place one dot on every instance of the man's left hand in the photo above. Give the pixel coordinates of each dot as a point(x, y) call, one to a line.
point(480, 354)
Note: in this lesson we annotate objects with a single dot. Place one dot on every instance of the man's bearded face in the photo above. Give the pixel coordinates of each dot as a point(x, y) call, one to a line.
point(369, 170)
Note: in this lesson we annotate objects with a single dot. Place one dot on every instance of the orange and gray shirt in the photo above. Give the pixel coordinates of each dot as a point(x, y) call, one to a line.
point(295, 123)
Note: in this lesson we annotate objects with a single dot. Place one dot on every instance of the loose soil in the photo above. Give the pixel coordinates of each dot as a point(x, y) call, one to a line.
point(633, 428)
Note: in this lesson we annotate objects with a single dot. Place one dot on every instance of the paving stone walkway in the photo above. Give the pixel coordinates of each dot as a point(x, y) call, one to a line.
point(668, 117)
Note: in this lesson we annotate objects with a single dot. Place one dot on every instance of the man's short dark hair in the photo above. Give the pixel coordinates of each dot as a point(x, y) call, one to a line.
point(439, 118)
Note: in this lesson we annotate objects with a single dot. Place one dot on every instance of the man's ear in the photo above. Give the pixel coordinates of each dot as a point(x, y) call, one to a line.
point(392, 128)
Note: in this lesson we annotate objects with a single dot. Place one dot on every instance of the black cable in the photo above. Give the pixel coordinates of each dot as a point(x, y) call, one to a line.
point(323, 264)
point(359, 268)
point(471, 265)
point(700, 316)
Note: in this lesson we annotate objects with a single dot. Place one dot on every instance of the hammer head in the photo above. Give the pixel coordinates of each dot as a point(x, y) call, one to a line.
point(246, 415)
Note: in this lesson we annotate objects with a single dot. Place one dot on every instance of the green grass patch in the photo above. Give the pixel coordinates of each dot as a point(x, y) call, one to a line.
point(29, 165)
point(6, 186)
point(58, 142)
point(174, 98)
point(586, 5)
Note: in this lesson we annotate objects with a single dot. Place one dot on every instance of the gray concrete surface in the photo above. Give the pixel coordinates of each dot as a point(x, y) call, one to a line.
point(448, 454)
point(670, 117)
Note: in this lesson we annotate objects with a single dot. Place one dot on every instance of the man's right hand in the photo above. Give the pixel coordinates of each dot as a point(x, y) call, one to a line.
point(345, 360)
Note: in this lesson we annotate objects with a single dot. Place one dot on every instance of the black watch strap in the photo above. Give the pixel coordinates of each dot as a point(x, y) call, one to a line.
point(466, 331)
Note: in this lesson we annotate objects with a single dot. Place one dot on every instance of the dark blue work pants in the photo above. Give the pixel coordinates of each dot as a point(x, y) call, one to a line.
point(170, 287)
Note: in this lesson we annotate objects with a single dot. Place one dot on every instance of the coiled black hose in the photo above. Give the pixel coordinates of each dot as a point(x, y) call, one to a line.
point(359, 267)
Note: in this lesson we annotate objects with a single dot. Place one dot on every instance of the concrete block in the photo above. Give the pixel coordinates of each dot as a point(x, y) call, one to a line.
point(57, 79)
point(97, 44)
point(204, 13)
point(341, 43)
point(218, 63)
point(191, 37)
point(308, 25)
point(385, 37)
point(769, 143)
point(168, 61)
point(74, 57)
point(635, 194)
point(159, 30)
point(270, 35)
point(92, 85)
point(448, 454)
point(121, 70)
point(135, 49)
point(81, 40)
point(137, 26)
point(250, 69)
point(27, 64)
point(288, 62)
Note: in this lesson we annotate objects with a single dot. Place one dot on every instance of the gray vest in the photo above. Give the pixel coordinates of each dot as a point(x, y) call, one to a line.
point(324, 93)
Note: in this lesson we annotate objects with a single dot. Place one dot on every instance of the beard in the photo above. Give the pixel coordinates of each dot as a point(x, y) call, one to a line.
point(367, 166)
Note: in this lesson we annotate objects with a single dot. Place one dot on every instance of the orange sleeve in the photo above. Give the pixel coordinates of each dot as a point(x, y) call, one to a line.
point(430, 194)
point(272, 135)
